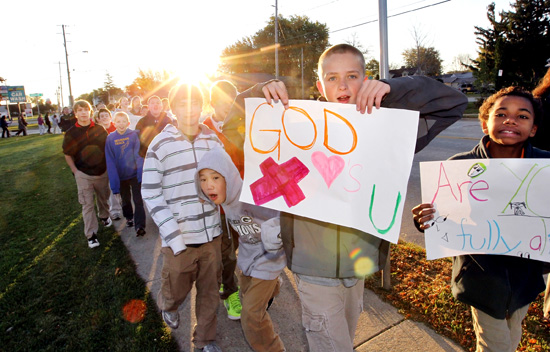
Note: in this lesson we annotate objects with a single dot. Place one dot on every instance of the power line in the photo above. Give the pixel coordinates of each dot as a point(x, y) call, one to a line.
point(397, 14)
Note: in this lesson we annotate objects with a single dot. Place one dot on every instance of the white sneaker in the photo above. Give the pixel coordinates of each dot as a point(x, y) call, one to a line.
point(107, 222)
point(93, 242)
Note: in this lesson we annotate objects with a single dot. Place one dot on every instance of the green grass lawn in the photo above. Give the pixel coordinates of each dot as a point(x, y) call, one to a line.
point(56, 293)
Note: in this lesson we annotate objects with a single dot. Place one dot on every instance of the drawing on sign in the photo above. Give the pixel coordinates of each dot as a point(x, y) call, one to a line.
point(500, 207)
point(329, 168)
point(280, 180)
point(516, 206)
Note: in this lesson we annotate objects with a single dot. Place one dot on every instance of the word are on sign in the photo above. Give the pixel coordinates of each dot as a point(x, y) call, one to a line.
point(328, 162)
point(488, 206)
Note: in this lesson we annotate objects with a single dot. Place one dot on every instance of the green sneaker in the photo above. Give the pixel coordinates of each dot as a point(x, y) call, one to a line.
point(233, 306)
point(221, 289)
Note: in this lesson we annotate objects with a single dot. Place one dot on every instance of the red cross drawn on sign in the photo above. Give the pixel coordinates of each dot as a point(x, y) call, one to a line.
point(279, 180)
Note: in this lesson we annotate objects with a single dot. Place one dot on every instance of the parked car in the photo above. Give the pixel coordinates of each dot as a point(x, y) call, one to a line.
point(467, 88)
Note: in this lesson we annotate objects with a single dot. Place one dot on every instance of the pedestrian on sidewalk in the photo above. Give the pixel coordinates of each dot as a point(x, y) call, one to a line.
point(48, 122)
point(320, 254)
point(4, 125)
point(41, 125)
point(22, 124)
point(103, 118)
point(261, 256)
point(84, 149)
point(190, 230)
point(498, 288)
point(125, 168)
point(55, 123)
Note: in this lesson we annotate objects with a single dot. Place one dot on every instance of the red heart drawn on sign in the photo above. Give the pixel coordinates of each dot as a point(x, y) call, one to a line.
point(329, 168)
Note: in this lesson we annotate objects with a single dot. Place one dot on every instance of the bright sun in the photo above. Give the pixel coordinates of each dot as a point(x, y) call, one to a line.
point(195, 69)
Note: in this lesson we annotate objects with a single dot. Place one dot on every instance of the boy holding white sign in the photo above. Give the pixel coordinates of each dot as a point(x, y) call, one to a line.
point(498, 288)
point(330, 261)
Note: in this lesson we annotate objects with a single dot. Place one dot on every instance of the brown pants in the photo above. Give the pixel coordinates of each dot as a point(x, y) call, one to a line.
point(498, 335)
point(201, 265)
point(255, 320)
point(88, 185)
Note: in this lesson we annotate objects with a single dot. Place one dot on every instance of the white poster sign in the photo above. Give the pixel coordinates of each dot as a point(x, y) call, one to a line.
point(488, 206)
point(326, 161)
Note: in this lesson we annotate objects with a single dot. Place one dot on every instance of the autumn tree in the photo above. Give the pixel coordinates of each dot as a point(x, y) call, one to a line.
point(151, 83)
point(372, 69)
point(297, 34)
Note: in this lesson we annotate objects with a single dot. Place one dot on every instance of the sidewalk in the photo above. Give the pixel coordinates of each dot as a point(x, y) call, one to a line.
point(380, 327)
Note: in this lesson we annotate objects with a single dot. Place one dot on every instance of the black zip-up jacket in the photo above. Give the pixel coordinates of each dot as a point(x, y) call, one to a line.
point(496, 284)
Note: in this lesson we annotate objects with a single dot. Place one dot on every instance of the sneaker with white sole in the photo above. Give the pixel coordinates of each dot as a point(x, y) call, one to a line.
point(93, 242)
point(115, 216)
point(211, 347)
point(233, 306)
point(107, 222)
point(172, 319)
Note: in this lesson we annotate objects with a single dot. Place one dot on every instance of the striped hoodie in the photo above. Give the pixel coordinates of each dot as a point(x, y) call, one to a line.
point(168, 188)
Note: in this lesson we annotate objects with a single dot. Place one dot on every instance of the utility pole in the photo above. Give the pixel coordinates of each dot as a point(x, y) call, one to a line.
point(60, 84)
point(276, 41)
point(384, 74)
point(71, 101)
point(302, 67)
point(383, 25)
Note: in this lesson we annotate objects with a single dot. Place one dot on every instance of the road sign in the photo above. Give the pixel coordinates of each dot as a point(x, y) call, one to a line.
point(35, 95)
point(17, 94)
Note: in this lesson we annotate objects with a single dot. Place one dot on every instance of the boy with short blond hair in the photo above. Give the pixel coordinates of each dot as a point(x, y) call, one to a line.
point(190, 230)
point(84, 149)
point(319, 253)
point(125, 168)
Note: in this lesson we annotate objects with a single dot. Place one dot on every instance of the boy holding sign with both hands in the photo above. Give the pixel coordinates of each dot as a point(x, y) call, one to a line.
point(318, 253)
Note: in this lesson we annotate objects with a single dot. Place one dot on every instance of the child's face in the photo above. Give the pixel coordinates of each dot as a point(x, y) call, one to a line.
point(511, 121)
point(155, 106)
point(121, 123)
point(221, 107)
point(341, 78)
point(104, 119)
point(83, 116)
point(188, 111)
point(124, 103)
point(213, 185)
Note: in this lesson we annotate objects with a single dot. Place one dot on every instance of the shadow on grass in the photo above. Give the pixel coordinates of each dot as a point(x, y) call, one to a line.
point(55, 292)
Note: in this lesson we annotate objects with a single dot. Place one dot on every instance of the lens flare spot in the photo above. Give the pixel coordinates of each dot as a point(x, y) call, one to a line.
point(134, 311)
point(363, 266)
point(355, 253)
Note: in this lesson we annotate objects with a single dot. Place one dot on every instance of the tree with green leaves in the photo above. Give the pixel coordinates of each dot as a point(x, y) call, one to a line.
point(426, 60)
point(372, 69)
point(515, 47)
point(297, 34)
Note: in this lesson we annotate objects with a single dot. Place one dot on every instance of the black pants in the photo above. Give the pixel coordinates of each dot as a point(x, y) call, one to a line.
point(132, 189)
point(5, 131)
point(24, 130)
point(229, 259)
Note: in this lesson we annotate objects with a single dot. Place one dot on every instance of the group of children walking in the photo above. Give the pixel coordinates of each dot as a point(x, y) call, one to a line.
point(190, 172)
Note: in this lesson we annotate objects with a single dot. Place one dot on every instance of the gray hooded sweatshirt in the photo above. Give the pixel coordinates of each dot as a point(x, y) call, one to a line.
point(248, 220)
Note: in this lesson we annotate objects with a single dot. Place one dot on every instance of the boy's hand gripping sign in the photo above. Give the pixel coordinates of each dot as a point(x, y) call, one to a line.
point(326, 161)
point(488, 206)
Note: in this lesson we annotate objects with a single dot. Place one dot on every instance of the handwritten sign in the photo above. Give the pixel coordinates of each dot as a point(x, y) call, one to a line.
point(488, 206)
point(326, 161)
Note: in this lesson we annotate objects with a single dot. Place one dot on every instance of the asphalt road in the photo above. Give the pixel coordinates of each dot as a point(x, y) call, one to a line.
point(460, 137)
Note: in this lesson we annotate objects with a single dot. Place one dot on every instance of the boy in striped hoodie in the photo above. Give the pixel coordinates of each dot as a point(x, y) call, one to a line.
point(190, 230)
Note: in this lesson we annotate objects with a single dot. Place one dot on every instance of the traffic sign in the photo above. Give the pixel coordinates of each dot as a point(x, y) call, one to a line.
point(35, 95)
